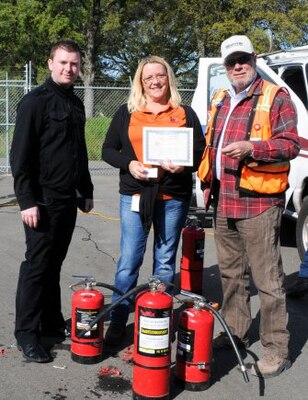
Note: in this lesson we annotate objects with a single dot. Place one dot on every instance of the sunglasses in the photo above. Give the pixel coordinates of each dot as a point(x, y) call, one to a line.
point(240, 60)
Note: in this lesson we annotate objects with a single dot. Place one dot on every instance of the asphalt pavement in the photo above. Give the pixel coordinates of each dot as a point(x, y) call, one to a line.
point(94, 251)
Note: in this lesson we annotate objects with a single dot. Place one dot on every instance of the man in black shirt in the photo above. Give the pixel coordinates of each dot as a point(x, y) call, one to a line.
point(50, 167)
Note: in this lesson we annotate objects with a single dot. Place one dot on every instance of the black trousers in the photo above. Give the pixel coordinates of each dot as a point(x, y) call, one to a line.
point(38, 297)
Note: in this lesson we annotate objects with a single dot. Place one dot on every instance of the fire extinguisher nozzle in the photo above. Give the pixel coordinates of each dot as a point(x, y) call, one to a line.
point(84, 332)
point(245, 373)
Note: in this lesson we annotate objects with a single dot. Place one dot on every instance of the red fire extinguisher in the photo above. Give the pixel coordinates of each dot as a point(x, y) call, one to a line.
point(194, 347)
point(86, 304)
point(152, 343)
point(191, 269)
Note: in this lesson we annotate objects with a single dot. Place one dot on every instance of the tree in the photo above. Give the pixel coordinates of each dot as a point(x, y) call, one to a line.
point(34, 26)
point(115, 34)
point(144, 27)
point(182, 31)
point(271, 25)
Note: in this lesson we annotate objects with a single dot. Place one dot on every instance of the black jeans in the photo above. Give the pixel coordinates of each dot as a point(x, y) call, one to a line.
point(38, 297)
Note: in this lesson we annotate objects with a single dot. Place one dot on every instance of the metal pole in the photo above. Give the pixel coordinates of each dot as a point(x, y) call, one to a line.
point(7, 122)
point(26, 78)
point(30, 76)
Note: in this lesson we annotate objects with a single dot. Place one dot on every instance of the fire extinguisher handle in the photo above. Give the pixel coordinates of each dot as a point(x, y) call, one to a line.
point(88, 281)
point(192, 221)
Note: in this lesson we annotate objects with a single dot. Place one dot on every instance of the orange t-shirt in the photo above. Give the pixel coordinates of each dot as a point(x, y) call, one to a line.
point(171, 117)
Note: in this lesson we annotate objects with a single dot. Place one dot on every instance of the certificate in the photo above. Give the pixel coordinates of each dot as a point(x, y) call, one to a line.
point(168, 144)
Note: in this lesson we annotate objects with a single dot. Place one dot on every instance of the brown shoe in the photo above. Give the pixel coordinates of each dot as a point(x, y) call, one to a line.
point(222, 342)
point(270, 366)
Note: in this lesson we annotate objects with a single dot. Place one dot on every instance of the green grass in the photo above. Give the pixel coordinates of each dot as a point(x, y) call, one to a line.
point(96, 129)
point(3, 139)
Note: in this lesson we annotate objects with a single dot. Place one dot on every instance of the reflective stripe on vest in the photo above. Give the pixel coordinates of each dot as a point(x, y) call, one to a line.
point(204, 172)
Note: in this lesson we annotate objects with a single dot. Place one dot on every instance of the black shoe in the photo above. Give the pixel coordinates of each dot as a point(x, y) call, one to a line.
point(115, 333)
point(222, 342)
point(298, 288)
point(34, 352)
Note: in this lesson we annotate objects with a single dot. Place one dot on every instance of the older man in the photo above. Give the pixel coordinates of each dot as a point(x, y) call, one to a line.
point(252, 135)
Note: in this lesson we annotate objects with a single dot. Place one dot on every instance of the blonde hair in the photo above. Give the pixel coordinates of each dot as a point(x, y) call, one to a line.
point(137, 99)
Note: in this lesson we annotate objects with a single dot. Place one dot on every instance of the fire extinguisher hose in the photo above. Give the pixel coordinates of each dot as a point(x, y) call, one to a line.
point(113, 288)
point(228, 332)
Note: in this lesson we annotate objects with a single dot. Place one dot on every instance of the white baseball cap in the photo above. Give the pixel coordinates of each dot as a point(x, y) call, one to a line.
point(236, 43)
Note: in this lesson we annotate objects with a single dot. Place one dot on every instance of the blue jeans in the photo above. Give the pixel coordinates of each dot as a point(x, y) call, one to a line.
point(168, 219)
point(303, 269)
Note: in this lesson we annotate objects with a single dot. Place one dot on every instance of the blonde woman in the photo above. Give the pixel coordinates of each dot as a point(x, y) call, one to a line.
point(162, 201)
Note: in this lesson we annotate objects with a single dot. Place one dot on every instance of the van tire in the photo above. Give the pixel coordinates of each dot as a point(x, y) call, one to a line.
point(302, 229)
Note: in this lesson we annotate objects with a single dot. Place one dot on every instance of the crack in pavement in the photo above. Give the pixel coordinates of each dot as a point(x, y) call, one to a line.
point(88, 238)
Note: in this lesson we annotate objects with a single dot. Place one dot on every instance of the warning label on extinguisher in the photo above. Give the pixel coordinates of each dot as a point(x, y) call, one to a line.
point(83, 319)
point(185, 346)
point(154, 332)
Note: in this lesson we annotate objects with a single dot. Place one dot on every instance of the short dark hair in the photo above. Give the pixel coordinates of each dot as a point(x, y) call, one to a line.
point(66, 44)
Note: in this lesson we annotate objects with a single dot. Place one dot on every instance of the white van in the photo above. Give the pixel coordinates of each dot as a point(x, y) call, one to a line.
point(288, 69)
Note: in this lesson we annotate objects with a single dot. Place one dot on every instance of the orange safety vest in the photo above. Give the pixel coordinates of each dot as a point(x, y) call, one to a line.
point(204, 172)
point(256, 176)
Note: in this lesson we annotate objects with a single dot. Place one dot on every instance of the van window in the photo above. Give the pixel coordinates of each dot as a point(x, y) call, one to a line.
point(294, 77)
point(217, 78)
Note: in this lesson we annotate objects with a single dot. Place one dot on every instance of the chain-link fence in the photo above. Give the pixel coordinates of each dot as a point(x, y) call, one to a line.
point(100, 103)
point(11, 91)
